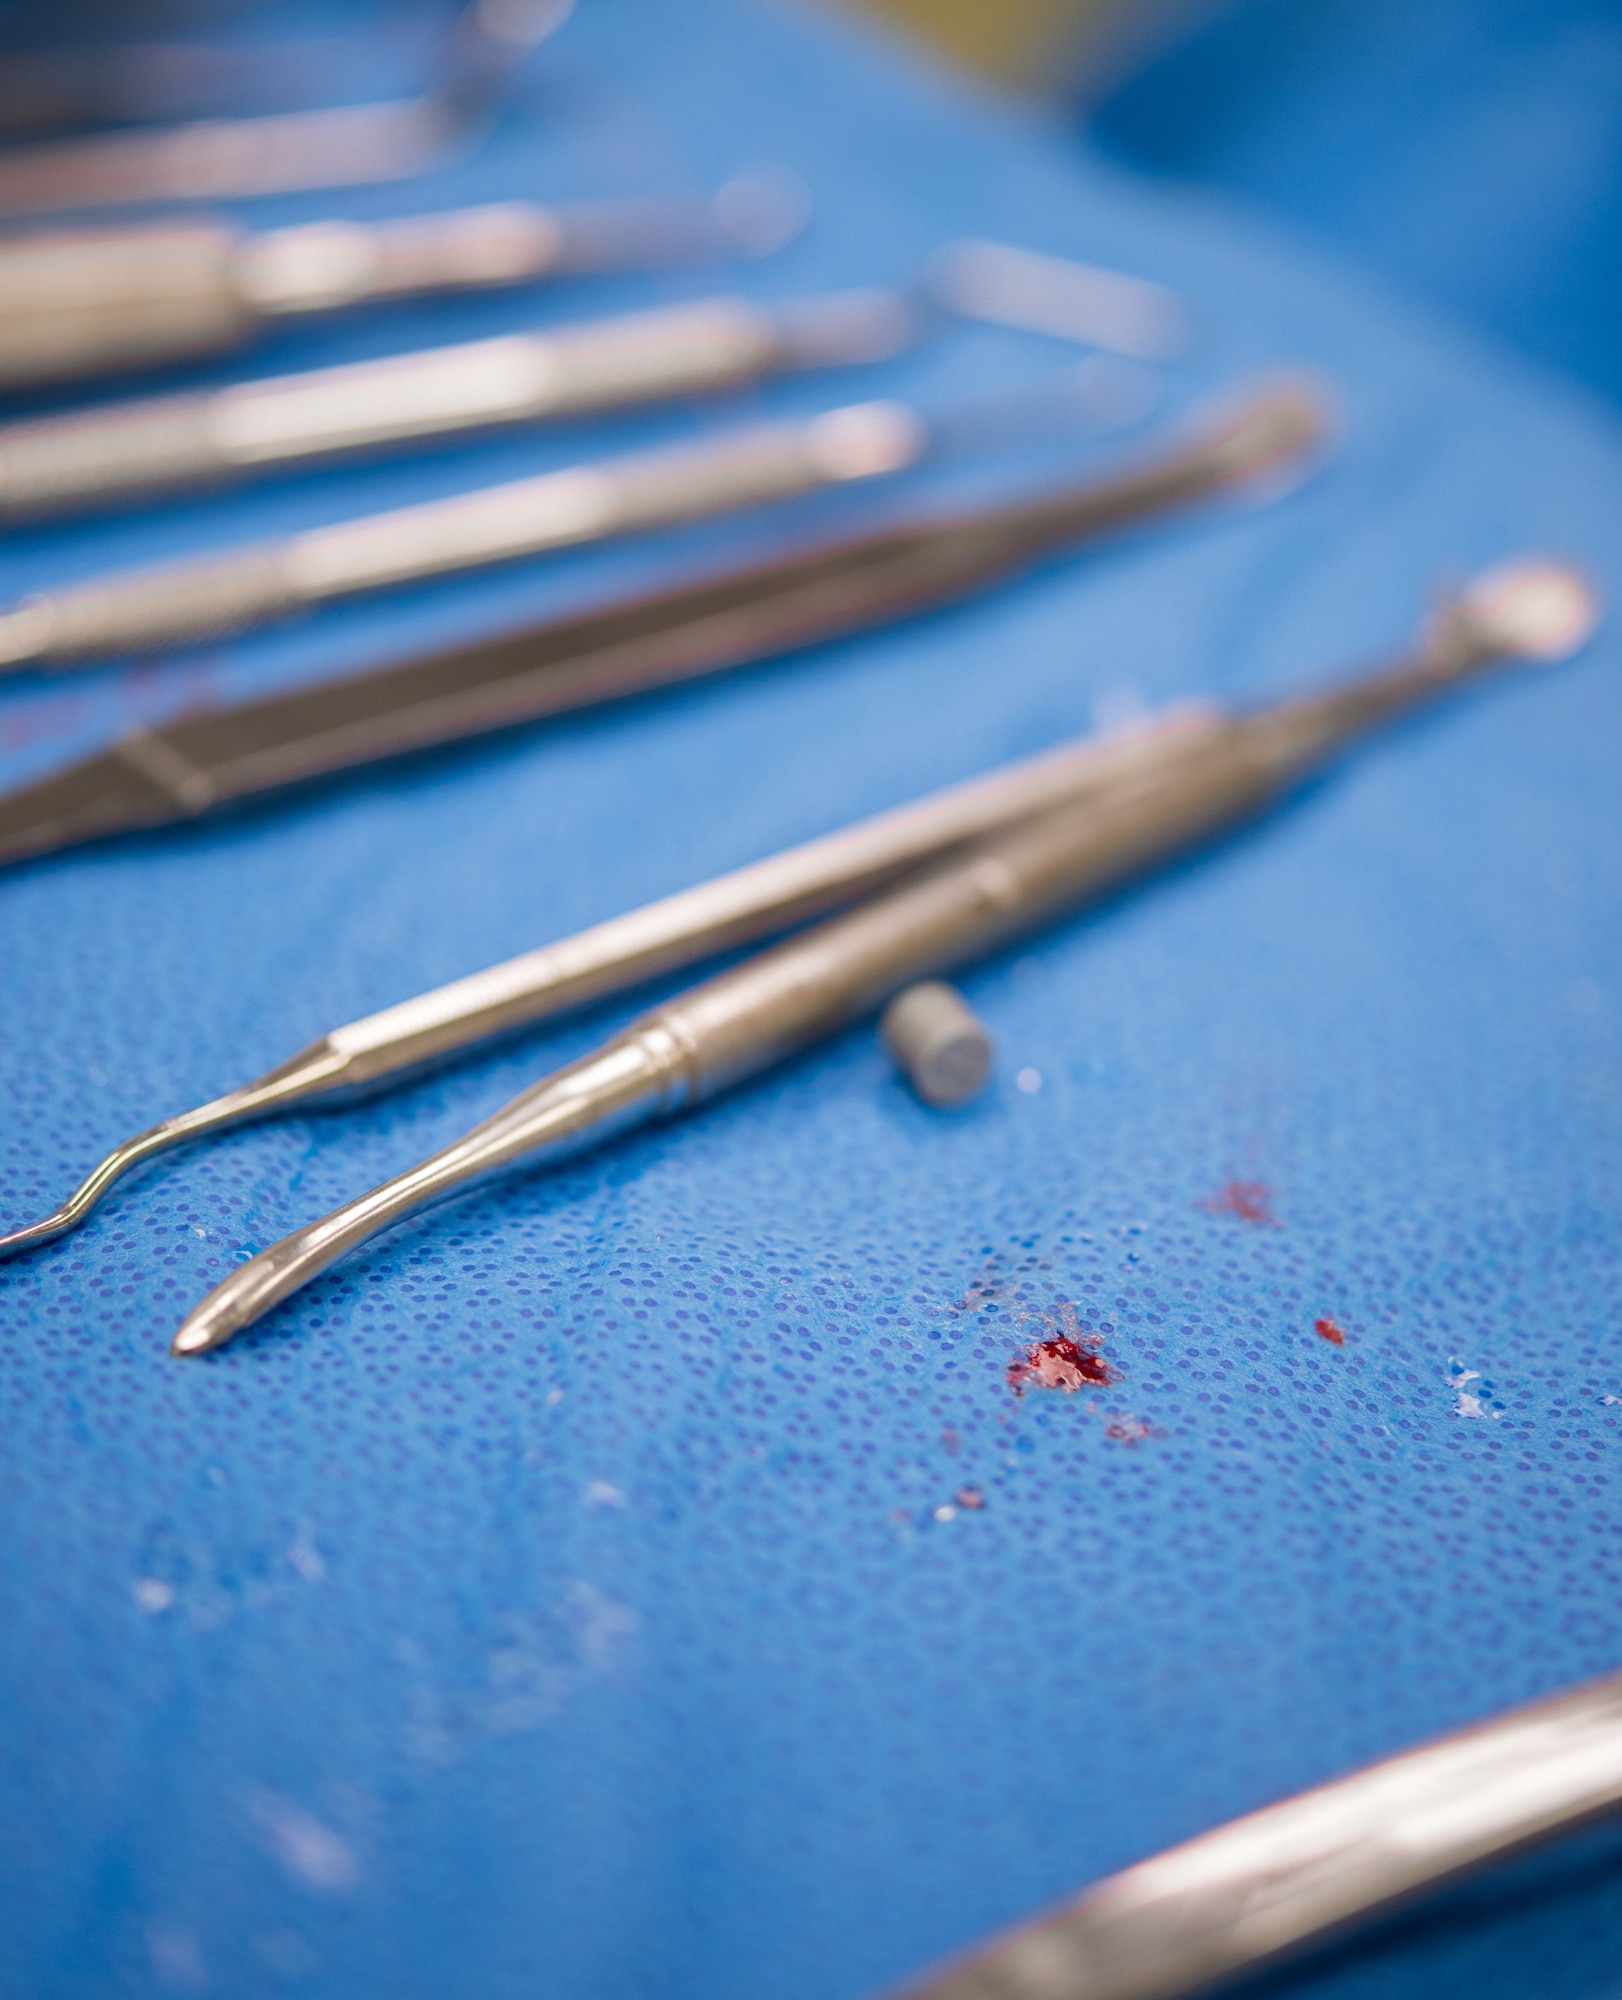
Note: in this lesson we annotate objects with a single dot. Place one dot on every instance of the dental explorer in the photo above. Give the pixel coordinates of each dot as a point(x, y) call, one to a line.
point(952, 911)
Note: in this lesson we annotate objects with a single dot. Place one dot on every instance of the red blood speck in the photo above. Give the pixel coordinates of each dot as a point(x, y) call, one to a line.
point(1250, 1201)
point(1059, 1363)
point(1326, 1329)
point(951, 1440)
point(970, 1497)
point(1128, 1430)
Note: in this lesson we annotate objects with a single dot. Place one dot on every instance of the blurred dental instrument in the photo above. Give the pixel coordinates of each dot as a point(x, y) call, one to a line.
point(155, 444)
point(1239, 1899)
point(759, 611)
point(750, 903)
point(94, 302)
point(77, 83)
point(158, 444)
point(1055, 295)
point(951, 912)
point(217, 159)
point(172, 604)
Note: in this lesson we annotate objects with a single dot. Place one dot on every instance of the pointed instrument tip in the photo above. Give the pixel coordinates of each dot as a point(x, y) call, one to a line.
point(247, 1294)
point(235, 1302)
point(1533, 607)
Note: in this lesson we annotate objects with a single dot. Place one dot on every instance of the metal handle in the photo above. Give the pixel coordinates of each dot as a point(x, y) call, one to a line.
point(1238, 1897)
point(517, 378)
point(147, 611)
point(52, 465)
point(587, 503)
point(56, 464)
point(318, 266)
point(77, 305)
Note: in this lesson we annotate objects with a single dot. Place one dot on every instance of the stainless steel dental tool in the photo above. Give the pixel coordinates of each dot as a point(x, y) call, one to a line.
point(215, 159)
point(175, 603)
point(96, 301)
point(1278, 1881)
point(948, 912)
point(158, 444)
point(1006, 286)
point(734, 909)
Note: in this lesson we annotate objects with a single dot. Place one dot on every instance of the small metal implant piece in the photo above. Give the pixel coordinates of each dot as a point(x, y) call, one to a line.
point(938, 1042)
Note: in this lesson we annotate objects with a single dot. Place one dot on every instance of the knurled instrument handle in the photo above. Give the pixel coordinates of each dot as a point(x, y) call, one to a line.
point(85, 303)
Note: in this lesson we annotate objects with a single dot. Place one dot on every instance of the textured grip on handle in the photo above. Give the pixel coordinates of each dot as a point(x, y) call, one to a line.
point(162, 607)
point(76, 305)
point(58, 464)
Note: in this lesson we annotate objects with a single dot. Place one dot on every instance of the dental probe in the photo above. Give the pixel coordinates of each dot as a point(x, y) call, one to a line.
point(677, 931)
point(90, 302)
point(761, 611)
point(953, 910)
point(1281, 1880)
point(162, 444)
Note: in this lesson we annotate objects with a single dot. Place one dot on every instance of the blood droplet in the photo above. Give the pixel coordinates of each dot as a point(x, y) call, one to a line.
point(1129, 1430)
point(1249, 1201)
point(970, 1498)
point(1326, 1329)
point(1059, 1362)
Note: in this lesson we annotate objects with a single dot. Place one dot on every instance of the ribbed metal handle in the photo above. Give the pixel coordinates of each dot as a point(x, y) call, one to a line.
point(59, 464)
point(81, 304)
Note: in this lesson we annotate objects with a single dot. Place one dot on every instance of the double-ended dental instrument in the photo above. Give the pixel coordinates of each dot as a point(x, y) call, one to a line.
point(151, 445)
point(1239, 1899)
point(175, 604)
point(765, 610)
point(91, 302)
point(948, 911)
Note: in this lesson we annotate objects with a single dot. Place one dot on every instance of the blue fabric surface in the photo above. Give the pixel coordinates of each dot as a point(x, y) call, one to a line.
point(1468, 149)
point(555, 1599)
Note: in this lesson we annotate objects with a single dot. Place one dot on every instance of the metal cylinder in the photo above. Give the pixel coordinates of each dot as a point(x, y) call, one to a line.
point(938, 1042)
point(79, 304)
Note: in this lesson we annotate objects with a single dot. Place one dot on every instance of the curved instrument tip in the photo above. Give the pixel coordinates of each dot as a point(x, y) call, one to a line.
point(1534, 607)
point(17, 1241)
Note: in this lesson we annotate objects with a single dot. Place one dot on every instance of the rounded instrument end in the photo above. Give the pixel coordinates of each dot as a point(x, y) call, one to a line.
point(237, 1301)
point(762, 209)
point(1534, 607)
